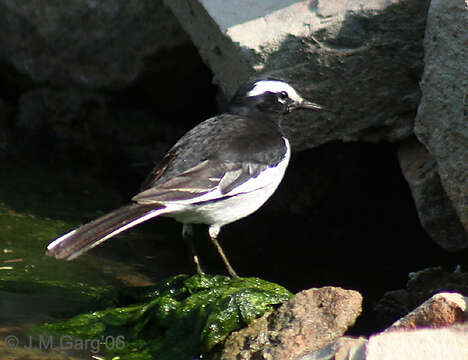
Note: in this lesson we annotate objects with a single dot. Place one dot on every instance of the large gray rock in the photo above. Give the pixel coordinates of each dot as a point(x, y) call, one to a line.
point(360, 59)
point(85, 43)
point(435, 210)
point(442, 120)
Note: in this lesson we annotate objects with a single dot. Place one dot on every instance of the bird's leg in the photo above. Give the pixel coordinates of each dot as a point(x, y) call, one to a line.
point(187, 234)
point(214, 232)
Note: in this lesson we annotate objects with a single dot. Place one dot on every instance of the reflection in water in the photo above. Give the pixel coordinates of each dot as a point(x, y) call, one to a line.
point(36, 289)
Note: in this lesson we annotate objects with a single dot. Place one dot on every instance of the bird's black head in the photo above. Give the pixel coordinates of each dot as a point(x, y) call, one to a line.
point(267, 97)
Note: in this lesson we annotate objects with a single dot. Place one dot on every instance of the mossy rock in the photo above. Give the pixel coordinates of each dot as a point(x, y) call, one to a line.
point(181, 318)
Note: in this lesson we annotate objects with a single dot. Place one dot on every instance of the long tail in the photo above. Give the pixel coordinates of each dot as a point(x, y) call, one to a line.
point(80, 240)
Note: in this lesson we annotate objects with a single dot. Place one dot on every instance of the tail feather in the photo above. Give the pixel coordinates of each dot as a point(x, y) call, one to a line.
point(84, 238)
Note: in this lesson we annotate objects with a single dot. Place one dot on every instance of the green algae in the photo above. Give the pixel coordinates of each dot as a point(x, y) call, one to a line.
point(179, 319)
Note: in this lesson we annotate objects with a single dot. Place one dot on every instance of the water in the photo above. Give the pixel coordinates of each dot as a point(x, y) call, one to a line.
point(39, 203)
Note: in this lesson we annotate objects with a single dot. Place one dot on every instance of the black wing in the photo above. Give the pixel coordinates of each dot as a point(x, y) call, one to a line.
point(222, 152)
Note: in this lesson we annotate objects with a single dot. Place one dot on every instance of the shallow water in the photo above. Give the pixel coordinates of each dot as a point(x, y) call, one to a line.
point(37, 204)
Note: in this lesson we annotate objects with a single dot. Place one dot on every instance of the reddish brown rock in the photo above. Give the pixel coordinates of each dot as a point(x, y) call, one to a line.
point(443, 309)
point(307, 322)
point(421, 286)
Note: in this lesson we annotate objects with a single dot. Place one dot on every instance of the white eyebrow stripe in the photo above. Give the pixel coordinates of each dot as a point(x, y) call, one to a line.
point(273, 86)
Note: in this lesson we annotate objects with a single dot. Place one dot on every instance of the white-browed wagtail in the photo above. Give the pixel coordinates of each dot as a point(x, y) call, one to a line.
point(222, 170)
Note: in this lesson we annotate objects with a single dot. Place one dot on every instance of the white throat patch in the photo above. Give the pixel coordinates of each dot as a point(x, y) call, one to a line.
point(274, 86)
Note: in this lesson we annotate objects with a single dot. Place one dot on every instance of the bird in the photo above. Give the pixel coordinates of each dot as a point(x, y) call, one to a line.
point(222, 170)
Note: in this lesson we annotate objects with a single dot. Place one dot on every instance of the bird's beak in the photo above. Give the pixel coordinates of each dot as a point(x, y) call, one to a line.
point(304, 104)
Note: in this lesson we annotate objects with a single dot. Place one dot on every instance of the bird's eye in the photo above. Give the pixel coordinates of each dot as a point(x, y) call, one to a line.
point(283, 95)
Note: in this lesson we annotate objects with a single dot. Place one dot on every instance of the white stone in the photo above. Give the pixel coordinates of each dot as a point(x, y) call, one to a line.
point(425, 344)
